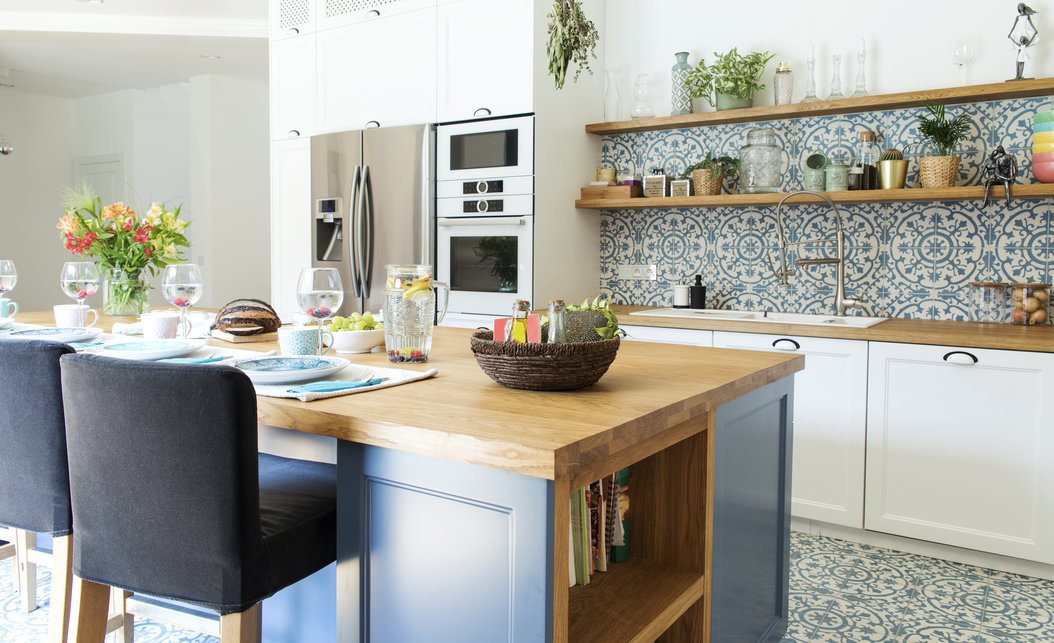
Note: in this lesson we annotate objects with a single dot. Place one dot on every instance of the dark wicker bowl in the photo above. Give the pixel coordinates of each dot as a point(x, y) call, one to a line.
point(543, 367)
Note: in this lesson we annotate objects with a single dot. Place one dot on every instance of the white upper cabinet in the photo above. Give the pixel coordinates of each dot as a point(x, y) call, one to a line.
point(960, 446)
point(291, 18)
point(293, 87)
point(380, 72)
point(830, 403)
point(340, 13)
point(485, 59)
point(290, 221)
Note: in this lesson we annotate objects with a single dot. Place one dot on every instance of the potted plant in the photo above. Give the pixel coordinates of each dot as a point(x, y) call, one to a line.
point(892, 170)
point(942, 170)
point(709, 174)
point(732, 79)
point(572, 39)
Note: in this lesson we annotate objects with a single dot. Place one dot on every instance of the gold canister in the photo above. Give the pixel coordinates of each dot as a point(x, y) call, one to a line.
point(892, 174)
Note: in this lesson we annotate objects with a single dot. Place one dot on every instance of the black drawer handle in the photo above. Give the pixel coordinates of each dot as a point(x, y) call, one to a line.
point(776, 344)
point(961, 357)
point(482, 111)
point(373, 13)
point(371, 124)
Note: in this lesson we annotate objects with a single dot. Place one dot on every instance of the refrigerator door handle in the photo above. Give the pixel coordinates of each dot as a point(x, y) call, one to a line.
point(353, 214)
point(367, 232)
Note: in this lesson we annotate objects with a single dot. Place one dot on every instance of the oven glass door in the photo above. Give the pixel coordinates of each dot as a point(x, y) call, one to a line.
point(484, 149)
point(487, 262)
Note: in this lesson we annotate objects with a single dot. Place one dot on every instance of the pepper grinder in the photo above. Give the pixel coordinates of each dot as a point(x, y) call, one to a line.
point(697, 294)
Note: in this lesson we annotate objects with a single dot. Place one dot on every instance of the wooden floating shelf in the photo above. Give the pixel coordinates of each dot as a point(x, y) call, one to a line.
point(634, 601)
point(951, 95)
point(970, 193)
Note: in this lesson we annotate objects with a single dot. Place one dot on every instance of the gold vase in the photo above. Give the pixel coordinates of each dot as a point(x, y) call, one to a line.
point(892, 174)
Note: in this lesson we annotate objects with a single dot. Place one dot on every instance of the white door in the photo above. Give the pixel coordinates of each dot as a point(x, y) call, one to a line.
point(960, 447)
point(378, 73)
point(830, 414)
point(486, 57)
point(105, 175)
point(668, 335)
point(291, 18)
point(293, 87)
point(290, 221)
point(341, 13)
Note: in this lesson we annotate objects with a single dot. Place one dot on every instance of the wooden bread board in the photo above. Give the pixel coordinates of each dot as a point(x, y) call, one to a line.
point(244, 339)
point(611, 191)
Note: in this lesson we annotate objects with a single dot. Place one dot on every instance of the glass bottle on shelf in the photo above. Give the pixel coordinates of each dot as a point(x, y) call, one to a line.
point(516, 326)
point(810, 87)
point(760, 162)
point(682, 97)
point(612, 98)
point(783, 84)
point(836, 78)
point(861, 71)
point(864, 173)
point(557, 334)
point(642, 98)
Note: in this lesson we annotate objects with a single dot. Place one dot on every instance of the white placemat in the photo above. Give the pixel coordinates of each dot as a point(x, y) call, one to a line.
point(353, 373)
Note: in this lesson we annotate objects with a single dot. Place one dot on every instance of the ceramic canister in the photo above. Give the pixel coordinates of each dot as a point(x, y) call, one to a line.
point(814, 173)
point(837, 177)
point(302, 340)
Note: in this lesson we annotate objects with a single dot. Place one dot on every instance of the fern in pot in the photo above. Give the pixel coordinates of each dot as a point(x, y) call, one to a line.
point(709, 174)
point(731, 81)
point(944, 134)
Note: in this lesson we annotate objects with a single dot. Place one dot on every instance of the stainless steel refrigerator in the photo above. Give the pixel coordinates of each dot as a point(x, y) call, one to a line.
point(373, 201)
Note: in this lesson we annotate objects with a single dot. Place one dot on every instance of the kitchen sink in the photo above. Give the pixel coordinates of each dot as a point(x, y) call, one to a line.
point(765, 318)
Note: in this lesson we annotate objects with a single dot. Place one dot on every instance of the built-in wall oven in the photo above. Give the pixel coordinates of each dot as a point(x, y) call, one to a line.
point(485, 214)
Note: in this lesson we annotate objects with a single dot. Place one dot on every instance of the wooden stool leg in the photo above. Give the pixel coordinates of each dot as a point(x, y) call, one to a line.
point(243, 627)
point(119, 613)
point(27, 571)
point(88, 612)
point(61, 589)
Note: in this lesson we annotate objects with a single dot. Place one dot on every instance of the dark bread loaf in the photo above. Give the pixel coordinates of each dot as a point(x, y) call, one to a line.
point(247, 317)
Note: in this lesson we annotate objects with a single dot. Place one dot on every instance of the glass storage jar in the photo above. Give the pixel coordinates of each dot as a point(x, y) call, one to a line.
point(760, 162)
point(990, 301)
point(1031, 304)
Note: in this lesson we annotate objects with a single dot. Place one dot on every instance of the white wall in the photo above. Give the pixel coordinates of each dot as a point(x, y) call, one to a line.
point(909, 43)
point(41, 130)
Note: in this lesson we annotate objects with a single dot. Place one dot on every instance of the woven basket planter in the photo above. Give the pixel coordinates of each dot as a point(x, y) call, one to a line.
point(939, 171)
point(543, 367)
point(704, 183)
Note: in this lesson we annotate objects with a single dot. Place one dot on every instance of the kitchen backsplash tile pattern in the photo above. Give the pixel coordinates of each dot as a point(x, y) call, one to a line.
point(911, 260)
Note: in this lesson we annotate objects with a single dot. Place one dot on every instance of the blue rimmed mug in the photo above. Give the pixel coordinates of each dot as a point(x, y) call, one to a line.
point(303, 340)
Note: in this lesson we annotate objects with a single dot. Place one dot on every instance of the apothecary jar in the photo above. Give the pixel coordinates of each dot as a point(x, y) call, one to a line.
point(760, 162)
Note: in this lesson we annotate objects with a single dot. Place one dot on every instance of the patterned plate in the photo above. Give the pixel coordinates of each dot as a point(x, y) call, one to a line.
point(152, 350)
point(64, 335)
point(285, 370)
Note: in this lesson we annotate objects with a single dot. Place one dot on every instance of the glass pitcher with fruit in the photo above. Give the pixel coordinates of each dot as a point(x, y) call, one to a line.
point(409, 311)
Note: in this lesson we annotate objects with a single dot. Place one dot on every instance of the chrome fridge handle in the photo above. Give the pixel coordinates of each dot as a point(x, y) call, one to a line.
point(367, 232)
point(353, 214)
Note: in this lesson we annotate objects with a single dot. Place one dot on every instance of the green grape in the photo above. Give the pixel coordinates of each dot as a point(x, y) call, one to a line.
point(368, 317)
point(354, 317)
point(379, 326)
point(337, 321)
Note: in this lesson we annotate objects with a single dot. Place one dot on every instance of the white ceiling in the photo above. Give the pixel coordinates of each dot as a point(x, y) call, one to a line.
point(70, 49)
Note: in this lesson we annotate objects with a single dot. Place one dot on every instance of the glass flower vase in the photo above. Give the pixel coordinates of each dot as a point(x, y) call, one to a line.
point(125, 293)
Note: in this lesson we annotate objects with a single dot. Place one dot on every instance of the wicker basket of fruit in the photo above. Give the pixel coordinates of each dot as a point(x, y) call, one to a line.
point(593, 342)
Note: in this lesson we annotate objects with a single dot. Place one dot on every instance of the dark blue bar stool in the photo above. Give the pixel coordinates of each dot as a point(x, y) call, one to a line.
point(171, 498)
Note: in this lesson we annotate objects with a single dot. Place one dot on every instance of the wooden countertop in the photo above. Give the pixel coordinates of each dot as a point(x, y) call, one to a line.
point(905, 331)
point(462, 415)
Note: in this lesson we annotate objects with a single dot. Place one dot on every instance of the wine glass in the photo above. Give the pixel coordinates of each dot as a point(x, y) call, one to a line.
point(963, 53)
point(79, 280)
point(8, 276)
point(182, 286)
point(319, 293)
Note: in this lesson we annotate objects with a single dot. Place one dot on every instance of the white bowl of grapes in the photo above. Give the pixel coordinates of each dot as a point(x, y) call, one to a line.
point(356, 333)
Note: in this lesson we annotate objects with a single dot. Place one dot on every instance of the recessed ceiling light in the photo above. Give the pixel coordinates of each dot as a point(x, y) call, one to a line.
point(211, 57)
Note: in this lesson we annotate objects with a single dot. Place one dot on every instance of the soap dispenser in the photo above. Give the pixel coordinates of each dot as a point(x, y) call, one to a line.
point(697, 294)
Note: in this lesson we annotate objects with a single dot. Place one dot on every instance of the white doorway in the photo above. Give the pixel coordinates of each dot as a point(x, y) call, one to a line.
point(105, 175)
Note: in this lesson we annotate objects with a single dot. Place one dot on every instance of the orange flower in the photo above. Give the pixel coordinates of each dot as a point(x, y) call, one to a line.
point(68, 224)
point(117, 211)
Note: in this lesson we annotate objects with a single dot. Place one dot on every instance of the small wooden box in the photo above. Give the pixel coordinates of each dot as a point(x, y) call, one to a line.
point(244, 339)
point(591, 192)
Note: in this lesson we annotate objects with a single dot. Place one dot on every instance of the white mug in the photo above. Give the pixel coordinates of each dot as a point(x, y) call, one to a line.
point(75, 316)
point(8, 308)
point(160, 325)
point(302, 340)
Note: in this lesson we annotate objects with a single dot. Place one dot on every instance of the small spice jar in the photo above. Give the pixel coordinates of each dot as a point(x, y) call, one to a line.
point(990, 301)
point(1031, 304)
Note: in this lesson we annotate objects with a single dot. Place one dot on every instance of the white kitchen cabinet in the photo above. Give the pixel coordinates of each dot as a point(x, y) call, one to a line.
point(293, 87)
point(485, 59)
point(668, 335)
point(830, 416)
point(380, 72)
point(341, 13)
point(291, 18)
point(290, 221)
point(960, 448)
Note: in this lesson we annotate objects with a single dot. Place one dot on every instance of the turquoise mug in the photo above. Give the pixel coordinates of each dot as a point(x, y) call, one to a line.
point(8, 308)
point(302, 340)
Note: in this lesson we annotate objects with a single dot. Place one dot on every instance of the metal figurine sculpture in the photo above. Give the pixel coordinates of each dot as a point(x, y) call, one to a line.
point(1023, 38)
point(999, 168)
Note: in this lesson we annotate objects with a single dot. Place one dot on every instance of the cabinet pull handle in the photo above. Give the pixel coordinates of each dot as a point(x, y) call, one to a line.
point(786, 344)
point(961, 357)
point(292, 31)
point(373, 124)
point(373, 13)
point(482, 111)
point(294, 132)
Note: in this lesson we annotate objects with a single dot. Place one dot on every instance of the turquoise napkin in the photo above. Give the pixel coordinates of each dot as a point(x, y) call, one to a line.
point(79, 345)
point(191, 360)
point(329, 387)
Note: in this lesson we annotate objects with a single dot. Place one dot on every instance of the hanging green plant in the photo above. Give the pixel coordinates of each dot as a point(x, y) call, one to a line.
point(572, 39)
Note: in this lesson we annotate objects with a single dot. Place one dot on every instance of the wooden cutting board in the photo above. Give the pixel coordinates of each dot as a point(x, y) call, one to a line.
point(244, 339)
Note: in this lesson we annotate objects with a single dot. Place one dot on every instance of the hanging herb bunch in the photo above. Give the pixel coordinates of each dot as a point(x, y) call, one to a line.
point(572, 39)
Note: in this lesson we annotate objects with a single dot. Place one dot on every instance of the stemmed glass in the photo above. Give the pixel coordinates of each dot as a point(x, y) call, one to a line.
point(79, 280)
point(319, 293)
point(8, 276)
point(182, 287)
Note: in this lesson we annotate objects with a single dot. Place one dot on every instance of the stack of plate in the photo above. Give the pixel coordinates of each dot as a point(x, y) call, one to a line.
point(1043, 147)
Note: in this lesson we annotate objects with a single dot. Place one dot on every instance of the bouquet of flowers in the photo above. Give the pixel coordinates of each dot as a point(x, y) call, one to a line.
point(127, 245)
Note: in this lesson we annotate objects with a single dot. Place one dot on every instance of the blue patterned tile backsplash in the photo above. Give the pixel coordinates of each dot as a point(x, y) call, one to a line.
point(911, 260)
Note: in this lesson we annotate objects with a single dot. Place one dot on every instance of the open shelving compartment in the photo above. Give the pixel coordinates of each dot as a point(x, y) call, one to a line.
point(662, 591)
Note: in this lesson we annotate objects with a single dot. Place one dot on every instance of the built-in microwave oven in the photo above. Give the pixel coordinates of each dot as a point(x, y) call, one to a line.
point(502, 147)
point(487, 261)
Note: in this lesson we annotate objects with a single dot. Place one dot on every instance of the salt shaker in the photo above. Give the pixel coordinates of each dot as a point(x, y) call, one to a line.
point(783, 84)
